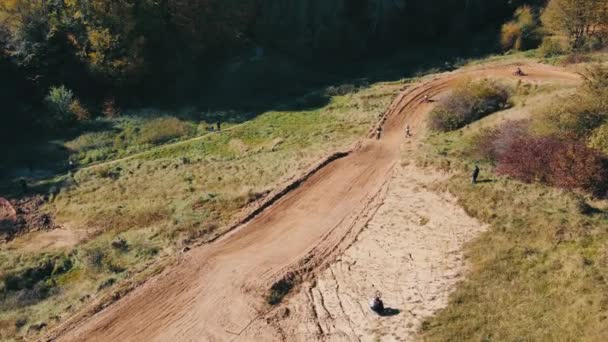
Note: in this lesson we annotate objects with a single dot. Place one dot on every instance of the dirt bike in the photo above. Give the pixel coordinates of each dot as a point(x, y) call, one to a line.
point(376, 304)
point(519, 73)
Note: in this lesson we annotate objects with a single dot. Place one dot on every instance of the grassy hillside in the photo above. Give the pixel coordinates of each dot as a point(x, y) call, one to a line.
point(540, 273)
point(140, 211)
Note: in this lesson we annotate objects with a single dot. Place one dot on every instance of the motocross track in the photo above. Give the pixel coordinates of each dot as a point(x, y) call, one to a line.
point(217, 291)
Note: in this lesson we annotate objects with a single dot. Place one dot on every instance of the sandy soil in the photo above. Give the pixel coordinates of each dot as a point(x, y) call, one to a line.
point(411, 251)
point(217, 291)
point(60, 238)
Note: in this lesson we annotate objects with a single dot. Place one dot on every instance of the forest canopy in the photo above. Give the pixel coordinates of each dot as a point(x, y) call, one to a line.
point(146, 49)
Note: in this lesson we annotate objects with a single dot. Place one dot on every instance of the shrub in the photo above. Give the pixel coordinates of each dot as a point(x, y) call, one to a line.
point(341, 90)
point(528, 157)
point(106, 283)
point(581, 113)
point(576, 58)
point(90, 141)
point(96, 259)
point(59, 100)
point(572, 116)
point(551, 47)
point(468, 102)
point(510, 36)
point(565, 163)
point(492, 143)
point(120, 244)
point(595, 86)
point(164, 129)
point(79, 112)
point(599, 138)
point(576, 166)
point(109, 109)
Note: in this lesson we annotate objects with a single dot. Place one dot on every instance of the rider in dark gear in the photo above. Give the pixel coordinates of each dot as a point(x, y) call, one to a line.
point(475, 175)
point(376, 303)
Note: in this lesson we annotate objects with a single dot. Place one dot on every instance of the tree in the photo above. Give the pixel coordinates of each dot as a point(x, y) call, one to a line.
point(522, 32)
point(59, 100)
point(103, 33)
point(578, 20)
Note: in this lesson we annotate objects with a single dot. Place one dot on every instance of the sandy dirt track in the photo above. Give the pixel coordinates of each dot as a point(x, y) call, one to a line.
point(411, 251)
point(217, 291)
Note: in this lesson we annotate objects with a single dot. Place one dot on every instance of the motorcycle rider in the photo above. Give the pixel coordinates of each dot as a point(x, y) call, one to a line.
point(376, 304)
point(475, 175)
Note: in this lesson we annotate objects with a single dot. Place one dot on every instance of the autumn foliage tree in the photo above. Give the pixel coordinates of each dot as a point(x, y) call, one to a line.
point(578, 20)
point(522, 32)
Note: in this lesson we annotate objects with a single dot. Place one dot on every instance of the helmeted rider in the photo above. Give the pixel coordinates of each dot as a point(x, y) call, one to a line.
point(376, 303)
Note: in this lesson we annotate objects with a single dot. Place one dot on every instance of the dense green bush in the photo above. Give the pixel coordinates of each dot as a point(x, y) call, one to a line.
point(64, 106)
point(470, 101)
point(59, 100)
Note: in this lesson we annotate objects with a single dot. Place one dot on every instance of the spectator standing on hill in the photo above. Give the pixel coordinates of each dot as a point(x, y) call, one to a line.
point(219, 126)
point(475, 175)
point(408, 133)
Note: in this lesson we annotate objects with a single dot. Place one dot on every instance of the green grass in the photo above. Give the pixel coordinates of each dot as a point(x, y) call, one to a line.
point(540, 273)
point(171, 195)
point(131, 134)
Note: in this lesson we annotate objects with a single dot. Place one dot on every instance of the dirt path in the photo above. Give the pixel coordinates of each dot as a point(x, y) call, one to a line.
point(151, 150)
point(217, 291)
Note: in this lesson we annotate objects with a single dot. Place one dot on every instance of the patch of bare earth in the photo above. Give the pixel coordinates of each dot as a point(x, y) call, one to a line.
point(24, 226)
point(22, 216)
